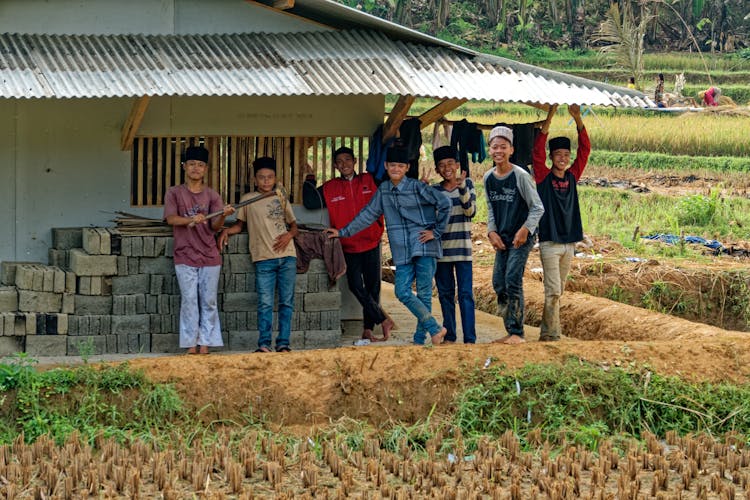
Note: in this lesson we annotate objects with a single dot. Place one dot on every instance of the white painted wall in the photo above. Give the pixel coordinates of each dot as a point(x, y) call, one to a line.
point(61, 164)
point(145, 16)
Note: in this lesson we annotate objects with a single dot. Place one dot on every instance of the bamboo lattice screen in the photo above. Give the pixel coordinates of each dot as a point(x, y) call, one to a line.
point(156, 163)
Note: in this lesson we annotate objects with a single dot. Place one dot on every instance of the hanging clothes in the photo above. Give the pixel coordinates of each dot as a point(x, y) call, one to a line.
point(376, 155)
point(410, 138)
point(468, 138)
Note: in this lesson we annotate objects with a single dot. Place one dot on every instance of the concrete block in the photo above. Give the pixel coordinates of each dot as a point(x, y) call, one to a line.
point(156, 284)
point(250, 282)
point(33, 301)
point(137, 323)
point(59, 281)
point(8, 271)
point(160, 245)
point(165, 342)
point(8, 299)
point(240, 263)
point(242, 242)
point(48, 279)
point(322, 301)
point(126, 249)
point(324, 284)
point(236, 302)
point(148, 246)
point(67, 238)
point(92, 243)
point(122, 266)
point(152, 305)
point(243, 340)
point(58, 258)
point(55, 324)
point(322, 339)
point(317, 266)
point(11, 345)
point(300, 285)
point(92, 304)
point(68, 303)
point(70, 282)
point(297, 340)
point(24, 277)
point(330, 320)
point(131, 284)
point(115, 241)
point(31, 321)
point(133, 343)
point(88, 345)
point(156, 265)
point(84, 264)
point(111, 344)
point(47, 345)
point(136, 246)
point(169, 247)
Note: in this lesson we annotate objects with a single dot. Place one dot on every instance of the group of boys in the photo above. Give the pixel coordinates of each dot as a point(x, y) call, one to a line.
point(429, 232)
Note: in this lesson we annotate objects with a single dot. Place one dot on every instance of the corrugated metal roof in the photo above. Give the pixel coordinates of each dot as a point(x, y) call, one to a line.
point(314, 63)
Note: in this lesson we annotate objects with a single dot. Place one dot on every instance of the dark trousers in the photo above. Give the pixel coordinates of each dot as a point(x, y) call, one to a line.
point(507, 280)
point(363, 277)
point(448, 277)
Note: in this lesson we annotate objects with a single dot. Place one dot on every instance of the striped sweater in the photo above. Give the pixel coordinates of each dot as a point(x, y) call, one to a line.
point(456, 239)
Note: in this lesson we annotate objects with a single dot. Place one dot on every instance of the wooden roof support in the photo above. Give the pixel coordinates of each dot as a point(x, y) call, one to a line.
point(282, 4)
point(396, 116)
point(439, 110)
point(133, 123)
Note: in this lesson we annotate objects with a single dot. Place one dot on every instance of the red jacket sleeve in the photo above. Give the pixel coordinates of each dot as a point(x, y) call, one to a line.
point(582, 156)
point(539, 158)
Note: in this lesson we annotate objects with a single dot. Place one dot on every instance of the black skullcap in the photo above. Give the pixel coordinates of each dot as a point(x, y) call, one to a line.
point(559, 143)
point(343, 150)
point(196, 153)
point(264, 162)
point(445, 152)
point(397, 155)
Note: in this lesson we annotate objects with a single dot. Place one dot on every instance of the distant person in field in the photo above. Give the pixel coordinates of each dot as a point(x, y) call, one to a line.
point(659, 91)
point(345, 197)
point(454, 268)
point(631, 82)
point(197, 261)
point(711, 96)
point(560, 228)
point(514, 211)
point(415, 217)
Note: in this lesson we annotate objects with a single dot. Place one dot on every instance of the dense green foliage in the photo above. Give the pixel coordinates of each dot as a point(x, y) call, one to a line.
point(583, 403)
point(660, 161)
point(114, 400)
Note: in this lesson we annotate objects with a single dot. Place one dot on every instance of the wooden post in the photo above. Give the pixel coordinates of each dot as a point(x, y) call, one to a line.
point(439, 110)
point(133, 122)
point(396, 116)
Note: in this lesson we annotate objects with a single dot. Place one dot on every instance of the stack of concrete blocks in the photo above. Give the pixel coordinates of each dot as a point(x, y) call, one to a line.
point(108, 293)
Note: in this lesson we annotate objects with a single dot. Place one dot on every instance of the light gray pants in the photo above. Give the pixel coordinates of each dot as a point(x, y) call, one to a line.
point(556, 259)
point(199, 314)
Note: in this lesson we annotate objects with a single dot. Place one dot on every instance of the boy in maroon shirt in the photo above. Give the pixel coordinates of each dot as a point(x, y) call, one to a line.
point(196, 256)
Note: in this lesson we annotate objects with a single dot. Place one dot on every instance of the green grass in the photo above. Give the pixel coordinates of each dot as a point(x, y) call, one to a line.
point(659, 161)
point(112, 400)
point(582, 404)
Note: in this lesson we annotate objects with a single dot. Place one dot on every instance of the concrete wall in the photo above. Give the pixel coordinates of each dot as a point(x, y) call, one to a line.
point(61, 164)
point(145, 16)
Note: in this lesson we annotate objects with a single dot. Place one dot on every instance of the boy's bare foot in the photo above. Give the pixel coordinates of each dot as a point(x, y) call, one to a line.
point(192, 350)
point(515, 339)
point(367, 334)
point(437, 339)
point(502, 340)
point(387, 326)
point(203, 349)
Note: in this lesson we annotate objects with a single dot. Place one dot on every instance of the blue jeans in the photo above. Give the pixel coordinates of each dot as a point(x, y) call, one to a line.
point(447, 276)
point(270, 274)
point(421, 269)
point(507, 280)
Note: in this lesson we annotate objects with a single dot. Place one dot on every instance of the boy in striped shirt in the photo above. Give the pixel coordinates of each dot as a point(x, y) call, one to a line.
point(454, 269)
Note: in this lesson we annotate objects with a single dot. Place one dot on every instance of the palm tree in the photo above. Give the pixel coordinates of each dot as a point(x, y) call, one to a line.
point(622, 38)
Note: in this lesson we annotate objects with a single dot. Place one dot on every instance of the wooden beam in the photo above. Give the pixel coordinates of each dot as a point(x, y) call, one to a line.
point(396, 116)
point(439, 110)
point(133, 123)
point(282, 4)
